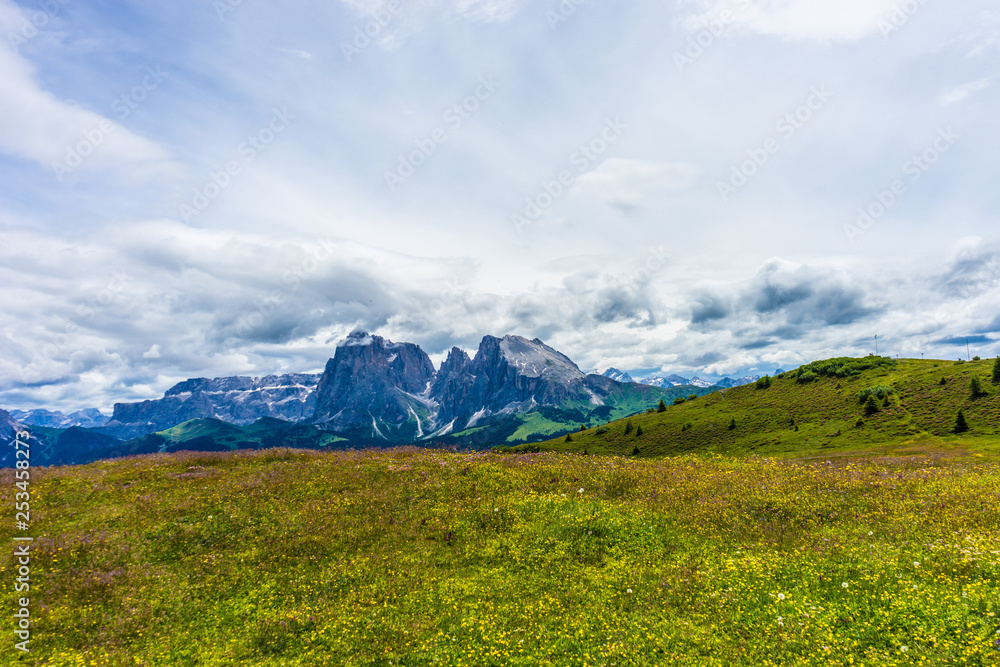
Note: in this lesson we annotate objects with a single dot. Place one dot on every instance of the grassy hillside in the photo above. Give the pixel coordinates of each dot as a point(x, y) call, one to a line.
point(419, 557)
point(807, 412)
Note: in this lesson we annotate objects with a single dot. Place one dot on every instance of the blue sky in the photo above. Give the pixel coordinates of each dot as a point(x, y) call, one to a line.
point(702, 187)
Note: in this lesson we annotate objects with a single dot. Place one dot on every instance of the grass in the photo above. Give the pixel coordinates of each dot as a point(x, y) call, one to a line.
point(820, 417)
point(419, 557)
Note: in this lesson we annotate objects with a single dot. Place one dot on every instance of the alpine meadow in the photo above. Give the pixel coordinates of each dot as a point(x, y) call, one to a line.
point(499, 333)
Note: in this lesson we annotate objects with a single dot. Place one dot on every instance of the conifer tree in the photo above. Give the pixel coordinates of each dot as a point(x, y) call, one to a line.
point(961, 426)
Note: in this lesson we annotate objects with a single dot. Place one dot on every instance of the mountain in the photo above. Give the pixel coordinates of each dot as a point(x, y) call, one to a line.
point(617, 375)
point(88, 418)
point(698, 382)
point(238, 400)
point(727, 383)
point(8, 434)
point(668, 381)
point(512, 390)
point(818, 410)
point(376, 389)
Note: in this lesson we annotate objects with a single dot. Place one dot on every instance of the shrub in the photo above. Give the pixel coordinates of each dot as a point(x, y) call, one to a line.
point(662, 407)
point(996, 371)
point(569, 438)
point(860, 422)
point(691, 397)
point(635, 451)
point(943, 381)
point(732, 424)
point(763, 383)
point(878, 391)
point(601, 431)
point(871, 406)
point(806, 377)
point(638, 430)
point(976, 358)
point(582, 427)
point(628, 427)
point(961, 425)
point(679, 400)
point(885, 402)
point(844, 366)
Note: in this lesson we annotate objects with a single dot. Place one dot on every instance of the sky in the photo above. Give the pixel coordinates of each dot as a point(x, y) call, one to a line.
point(230, 187)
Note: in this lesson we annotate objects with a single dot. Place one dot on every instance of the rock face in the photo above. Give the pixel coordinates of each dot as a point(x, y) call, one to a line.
point(617, 375)
point(506, 375)
point(384, 390)
point(374, 383)
point(238, 400)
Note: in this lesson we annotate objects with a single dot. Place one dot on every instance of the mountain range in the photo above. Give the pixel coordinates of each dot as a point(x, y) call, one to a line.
point(372, 392)
point(678, 381)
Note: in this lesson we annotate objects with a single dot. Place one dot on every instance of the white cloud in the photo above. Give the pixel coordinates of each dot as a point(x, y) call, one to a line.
point(959, 93)
point(627, 184)
point(38, 126)
point(848, 20)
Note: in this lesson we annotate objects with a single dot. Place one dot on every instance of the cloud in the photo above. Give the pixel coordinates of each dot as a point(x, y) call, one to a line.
point(973, 269)
point(845, 20)
point(39, 127)
point(959, 93)
point(628, 184)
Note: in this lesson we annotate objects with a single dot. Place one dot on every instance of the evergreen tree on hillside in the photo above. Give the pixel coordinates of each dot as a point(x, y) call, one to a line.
point(976, 387)
point(662, 407)
point(961, 426)
point(996, 371)
point(871, 406)
point(732, 424)
point(628, 426)
point(569, 438)
point(638, 430)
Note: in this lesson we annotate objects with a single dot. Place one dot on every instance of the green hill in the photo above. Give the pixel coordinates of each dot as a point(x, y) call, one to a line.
point(817, 410)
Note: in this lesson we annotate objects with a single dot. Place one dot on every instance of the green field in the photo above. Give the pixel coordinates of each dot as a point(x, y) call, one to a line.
point(418, 557)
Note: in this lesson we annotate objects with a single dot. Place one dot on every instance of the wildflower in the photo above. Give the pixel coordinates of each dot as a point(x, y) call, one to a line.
point(209, 517)
point(916, 563)
point(871, 532)
point(904, 649)
point(781, 596)
point(629, 591)
point(844, 585)
point(581, 490)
